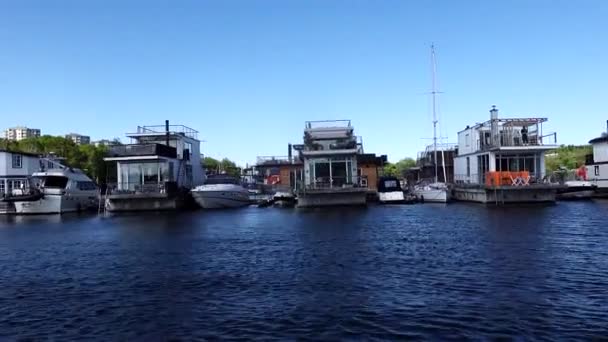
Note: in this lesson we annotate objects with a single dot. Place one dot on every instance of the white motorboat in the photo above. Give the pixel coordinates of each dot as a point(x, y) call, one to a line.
point(433, 192)
point(390, 191)
point(56, 191)
point(221, 192)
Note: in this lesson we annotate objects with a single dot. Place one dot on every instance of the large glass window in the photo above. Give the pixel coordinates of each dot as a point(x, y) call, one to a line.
point(136, 175)
point(516, 163)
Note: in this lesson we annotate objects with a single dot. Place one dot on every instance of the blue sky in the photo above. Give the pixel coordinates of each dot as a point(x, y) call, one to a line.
point(247, 74)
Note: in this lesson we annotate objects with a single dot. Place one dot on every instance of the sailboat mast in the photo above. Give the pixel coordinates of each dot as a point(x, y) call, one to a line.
point(434, 92)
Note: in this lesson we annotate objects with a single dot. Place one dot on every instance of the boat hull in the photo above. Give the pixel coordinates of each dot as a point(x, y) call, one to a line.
point(54, 204)
point(391, 197)
point(221, 199)
point(432, 195)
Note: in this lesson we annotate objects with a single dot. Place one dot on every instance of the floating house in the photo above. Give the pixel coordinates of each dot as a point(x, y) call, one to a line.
point(597, 165)
point(503, 161)
point(425, 164)
point(157, 171)
point(330, 160)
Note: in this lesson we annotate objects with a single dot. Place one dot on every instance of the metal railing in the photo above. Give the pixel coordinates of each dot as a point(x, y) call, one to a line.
point(139, 188)
point(327, 124)
point(502, 178)
point(338, 182)
point(173, 129)
point(506, 139)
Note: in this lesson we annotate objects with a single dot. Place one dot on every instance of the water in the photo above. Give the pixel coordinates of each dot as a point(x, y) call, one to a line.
point(393, 272)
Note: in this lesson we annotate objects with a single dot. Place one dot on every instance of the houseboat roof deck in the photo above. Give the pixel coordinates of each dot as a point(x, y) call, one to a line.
point(328, 124)
point(157, 130)
point(510, 122)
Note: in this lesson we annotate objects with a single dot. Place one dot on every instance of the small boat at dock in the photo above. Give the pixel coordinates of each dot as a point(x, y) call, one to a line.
point(390, 191)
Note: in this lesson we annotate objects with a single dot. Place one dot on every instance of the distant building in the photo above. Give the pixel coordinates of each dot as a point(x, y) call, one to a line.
point(79, 139)
point(104, 142)
point(20, 133)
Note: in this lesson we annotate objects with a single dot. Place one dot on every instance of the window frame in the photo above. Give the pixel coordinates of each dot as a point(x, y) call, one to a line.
point(14, 164)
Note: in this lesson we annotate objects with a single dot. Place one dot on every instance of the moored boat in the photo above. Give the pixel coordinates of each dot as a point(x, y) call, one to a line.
point(221, 192)
point(55, 191)
point(390, 191)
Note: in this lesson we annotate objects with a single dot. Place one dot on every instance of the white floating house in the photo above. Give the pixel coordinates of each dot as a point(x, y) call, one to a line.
point(597, 165)
point(503, 160)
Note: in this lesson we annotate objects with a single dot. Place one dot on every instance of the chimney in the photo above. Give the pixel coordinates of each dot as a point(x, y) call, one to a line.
point(494, 125)
point(289, 154)
point(167, 132)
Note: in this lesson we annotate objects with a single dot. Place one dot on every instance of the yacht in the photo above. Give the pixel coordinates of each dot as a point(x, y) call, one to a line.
point(55, 191)
point(390, 191)
point(221, 192)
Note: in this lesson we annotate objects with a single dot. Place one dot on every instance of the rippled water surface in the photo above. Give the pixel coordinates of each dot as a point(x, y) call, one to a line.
point(384, 272)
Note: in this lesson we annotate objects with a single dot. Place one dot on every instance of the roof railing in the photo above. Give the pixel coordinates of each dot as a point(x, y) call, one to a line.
point(161, 129)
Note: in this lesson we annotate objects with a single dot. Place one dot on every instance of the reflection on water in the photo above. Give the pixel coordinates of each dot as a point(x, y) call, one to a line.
point(387, 272)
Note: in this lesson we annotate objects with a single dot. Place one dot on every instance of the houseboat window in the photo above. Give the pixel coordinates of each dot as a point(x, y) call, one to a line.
point(165, 174)
point(466, 139)
point(55, 182)
point(86, 186)
point(2, 188)
point(516, 163)
point(17, 161)
point(339, 173)
point(596, 170)
point(321, 172)
point(150, 173)
point(468, 167)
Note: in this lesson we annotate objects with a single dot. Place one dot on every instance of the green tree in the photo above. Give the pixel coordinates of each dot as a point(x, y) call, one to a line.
point(568, 157)
point(226, 165)
point(399, 168)
point(210, 164)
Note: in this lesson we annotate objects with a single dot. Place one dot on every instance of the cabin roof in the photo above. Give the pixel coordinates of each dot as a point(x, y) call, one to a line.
point(599, 140)
point(19, 152)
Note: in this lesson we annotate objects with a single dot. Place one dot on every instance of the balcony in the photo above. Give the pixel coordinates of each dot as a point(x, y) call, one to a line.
point(141, 150)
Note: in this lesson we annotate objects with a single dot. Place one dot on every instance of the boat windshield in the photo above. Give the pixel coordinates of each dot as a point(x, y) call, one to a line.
point(389, 184)
point(58, 182)
point(222, 180)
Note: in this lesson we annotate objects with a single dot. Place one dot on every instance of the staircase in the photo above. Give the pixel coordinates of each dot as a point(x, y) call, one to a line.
point(7, 208)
